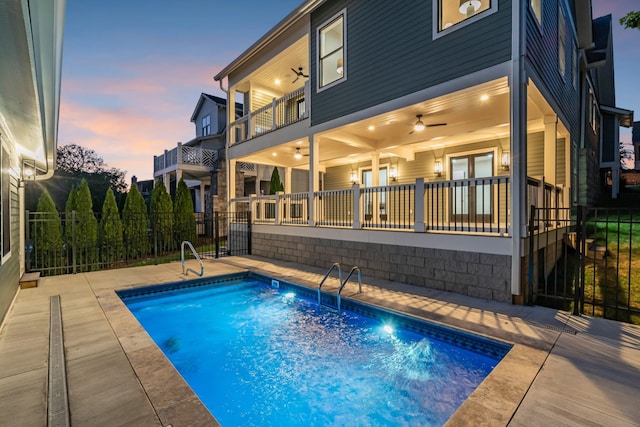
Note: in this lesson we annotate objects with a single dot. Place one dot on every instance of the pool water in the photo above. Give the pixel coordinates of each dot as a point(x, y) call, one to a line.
point(257, 355)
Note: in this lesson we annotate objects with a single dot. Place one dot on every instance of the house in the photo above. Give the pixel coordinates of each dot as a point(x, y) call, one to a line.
point(31, 45)
point(200, 162)
point(415, 136)
point(635, 139)
point(145, 187)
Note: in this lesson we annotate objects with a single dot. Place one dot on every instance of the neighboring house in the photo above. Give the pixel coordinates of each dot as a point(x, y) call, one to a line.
point(145, 188)
point(31, 45)
point(200, 162)
point(414, 136)
point(635, 139)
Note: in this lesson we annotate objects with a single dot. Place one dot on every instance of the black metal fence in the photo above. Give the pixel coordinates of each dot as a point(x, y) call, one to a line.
point(586, 261)
point(63, 243)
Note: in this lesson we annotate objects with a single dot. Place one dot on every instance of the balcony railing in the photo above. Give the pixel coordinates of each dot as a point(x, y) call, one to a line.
point(281, 112)
point(185, 155)
point(478, 206)
point(541, 194)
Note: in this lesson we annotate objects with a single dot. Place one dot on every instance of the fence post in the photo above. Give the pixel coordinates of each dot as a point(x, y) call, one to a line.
point(249, 233)
point(73, 240)
point(578, 297)
point(418, 211)
point(216, 233)
point(532, 230)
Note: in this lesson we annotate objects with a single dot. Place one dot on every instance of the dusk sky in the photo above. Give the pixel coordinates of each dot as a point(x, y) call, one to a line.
point(133, 70)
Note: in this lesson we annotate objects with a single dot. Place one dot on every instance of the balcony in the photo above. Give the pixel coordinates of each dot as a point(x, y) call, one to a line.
point(185, 157)
point(479, 206)
point(281, 112)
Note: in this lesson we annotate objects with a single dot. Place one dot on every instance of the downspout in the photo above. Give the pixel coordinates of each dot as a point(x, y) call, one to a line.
point(230, 109)
point(518, 142)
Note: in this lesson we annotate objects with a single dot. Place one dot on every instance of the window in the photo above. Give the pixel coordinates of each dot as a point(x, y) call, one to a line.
point(536, 7)
point(331, 51)
point(5, 201)
point(594, 113)
point(562, 40)
point(206, 125)
point(450, 14)
point(574, 66)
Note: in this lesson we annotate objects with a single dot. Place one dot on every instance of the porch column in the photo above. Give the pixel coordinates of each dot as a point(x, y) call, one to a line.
point(287, 180)
point(550, 148)
point(178, 176)
point(166, 180)
point(201, 207)
point(375, 169)
point(231, 116)
point(518, 134)
point(231, 185)
point(419, 208)
point(314, 182)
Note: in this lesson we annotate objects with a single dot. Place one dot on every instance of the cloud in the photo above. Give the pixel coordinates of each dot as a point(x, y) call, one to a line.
point(134, 114)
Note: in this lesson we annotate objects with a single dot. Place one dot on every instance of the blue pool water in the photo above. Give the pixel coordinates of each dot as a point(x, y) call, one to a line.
point(257, 355)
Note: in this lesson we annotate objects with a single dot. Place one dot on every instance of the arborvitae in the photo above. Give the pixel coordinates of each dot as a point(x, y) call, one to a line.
point(111, 245)
point(85, 228)
point(184, 219)
point(68, 222)
point(134, 217)
point(275, 185)
point(47, 235)
point(161, 213)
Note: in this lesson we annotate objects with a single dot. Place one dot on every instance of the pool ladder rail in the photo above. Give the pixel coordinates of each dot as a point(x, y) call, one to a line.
point(195, 254)
point(342, 283)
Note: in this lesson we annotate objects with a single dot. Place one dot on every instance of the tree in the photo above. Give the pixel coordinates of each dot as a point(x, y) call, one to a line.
point(631, 20)
point(83, 232)
point(183, 217)
point(47, 234)
point(134, 217)
point(626, 155)
point(161, 213)
point(275, 185)
point(110, 230)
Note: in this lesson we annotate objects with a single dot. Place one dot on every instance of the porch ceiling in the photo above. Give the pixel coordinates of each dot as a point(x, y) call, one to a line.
point(472, 115)
point(279, 67)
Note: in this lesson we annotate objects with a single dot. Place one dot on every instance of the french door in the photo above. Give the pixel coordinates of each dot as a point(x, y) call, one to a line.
point(372, 199)
point(471, 201)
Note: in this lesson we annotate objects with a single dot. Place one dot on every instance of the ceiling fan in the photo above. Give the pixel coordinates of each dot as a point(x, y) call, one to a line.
point(419, 124)
point(299, 74)
point(298, 154)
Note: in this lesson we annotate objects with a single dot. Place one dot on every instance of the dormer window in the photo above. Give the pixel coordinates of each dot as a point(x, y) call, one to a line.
point(206, 125)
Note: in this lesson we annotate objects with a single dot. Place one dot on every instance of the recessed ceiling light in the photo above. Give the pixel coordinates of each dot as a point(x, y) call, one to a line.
point(371, 127)
point(274, 154)
point(277, 82)
point(484, 98)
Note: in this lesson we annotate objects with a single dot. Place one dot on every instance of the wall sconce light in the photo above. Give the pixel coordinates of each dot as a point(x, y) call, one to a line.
point(353, 178)
point(506, 160)
point(469, 7)
point(437, 167)
point(393, 173)
point(29, 170)
point(340, 66)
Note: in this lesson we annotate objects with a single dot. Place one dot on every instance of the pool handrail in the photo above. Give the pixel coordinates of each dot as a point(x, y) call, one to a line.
point(335, 264)
point(355, 268)
point(195, 254)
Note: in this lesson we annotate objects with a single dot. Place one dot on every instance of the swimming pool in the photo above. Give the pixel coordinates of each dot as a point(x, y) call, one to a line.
point(259, 355)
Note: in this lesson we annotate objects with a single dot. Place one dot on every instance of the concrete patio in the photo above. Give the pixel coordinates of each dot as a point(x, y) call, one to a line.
point(562, 369)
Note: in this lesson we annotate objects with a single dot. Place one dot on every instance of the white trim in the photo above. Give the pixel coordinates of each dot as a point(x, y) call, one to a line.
point(448, 241)
point(343, 14)
point(4, 149)
point(435, 15)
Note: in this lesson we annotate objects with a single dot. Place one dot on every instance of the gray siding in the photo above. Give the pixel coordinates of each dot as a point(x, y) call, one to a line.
point(390, 52)
point(535, 154)
point(542, 54)
point(10, 269)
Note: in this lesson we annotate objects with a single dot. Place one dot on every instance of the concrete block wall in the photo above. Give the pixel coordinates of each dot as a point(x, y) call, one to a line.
point(478, 275)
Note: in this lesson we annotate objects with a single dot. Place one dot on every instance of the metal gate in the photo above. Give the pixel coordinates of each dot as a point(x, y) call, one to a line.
point(586, 261)
point(229, 233)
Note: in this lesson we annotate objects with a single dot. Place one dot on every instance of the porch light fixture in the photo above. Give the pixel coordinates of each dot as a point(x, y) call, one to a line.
point(506, 160)
point(393, 173)
point(419, 124)
point(340, 66)
point(469, 7)
point(298, 154)
point(29, 170)
point(437, 167)
point(353, 178)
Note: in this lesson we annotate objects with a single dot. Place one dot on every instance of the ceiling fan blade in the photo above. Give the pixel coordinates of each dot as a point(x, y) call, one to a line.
point(432, 125)
point(295, 80)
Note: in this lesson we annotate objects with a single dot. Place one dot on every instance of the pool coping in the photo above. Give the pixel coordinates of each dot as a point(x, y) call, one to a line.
point(494, 402)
